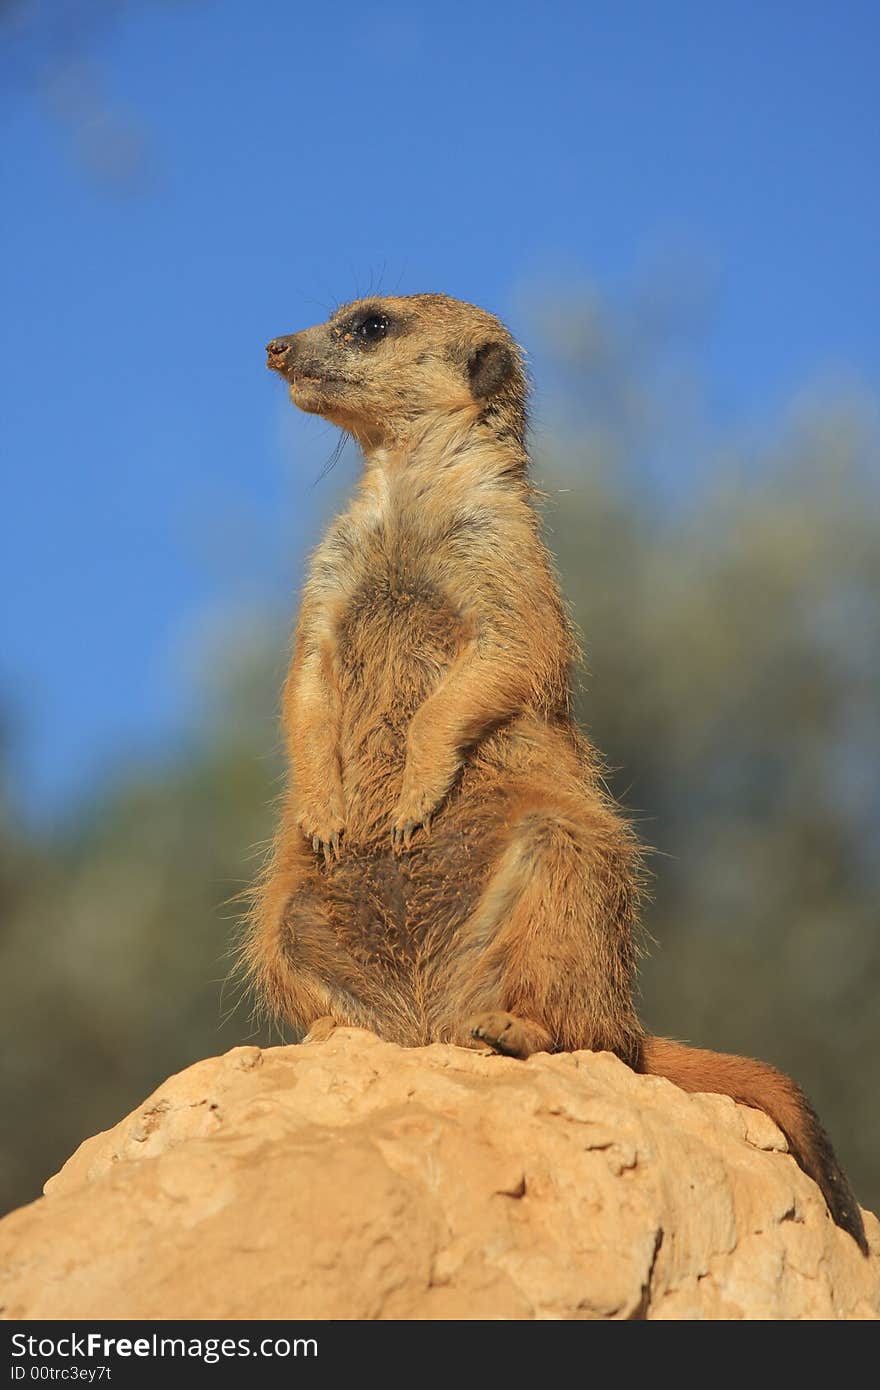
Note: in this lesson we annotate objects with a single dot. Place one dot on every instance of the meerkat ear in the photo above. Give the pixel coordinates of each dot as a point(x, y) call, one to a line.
point(489, 367)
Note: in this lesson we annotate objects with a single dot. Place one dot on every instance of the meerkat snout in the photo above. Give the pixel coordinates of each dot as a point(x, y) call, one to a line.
point(277, 353)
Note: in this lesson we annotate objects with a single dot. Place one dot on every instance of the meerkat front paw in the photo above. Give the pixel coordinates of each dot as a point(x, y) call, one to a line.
point(403, 829)
point(323, 826)
point(411, 814)
point(419, 801)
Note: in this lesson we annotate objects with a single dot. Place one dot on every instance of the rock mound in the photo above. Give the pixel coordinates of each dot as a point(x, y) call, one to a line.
point(353, 1179)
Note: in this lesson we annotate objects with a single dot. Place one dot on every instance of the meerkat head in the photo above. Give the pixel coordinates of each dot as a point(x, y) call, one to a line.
point(379, 366)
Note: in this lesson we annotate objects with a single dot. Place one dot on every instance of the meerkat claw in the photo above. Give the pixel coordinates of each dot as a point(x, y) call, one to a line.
point(402, 832)
point(327, 848)
point(400, 836)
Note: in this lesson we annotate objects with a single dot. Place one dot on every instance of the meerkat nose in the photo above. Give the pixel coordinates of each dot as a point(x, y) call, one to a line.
point(276, 348)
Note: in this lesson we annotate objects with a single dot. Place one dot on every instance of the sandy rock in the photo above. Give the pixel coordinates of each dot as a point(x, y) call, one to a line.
point(354, 1179)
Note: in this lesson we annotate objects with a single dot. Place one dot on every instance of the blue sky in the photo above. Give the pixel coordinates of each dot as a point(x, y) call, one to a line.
point(155, 482)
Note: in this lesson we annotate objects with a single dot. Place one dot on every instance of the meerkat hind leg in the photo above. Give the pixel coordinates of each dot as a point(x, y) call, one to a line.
point(544, 962)
point(293, 955)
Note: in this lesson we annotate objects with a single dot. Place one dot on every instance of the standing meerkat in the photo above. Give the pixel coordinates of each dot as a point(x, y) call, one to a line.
point(448, 865)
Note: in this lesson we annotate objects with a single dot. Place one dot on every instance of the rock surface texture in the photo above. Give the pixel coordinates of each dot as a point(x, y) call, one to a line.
point(351, 1178)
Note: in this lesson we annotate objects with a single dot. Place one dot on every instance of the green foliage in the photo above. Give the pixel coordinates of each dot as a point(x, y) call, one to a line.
point(733, 644)
point(116, 932)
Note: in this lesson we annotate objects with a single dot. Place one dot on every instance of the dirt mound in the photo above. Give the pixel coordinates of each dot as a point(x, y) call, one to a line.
point(354, 1179)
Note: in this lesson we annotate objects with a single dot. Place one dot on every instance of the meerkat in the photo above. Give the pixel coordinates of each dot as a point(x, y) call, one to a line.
point(449, 865)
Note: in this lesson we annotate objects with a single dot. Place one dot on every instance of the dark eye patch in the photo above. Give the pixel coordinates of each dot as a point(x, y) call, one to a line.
point(366, 328)
point(371, 328)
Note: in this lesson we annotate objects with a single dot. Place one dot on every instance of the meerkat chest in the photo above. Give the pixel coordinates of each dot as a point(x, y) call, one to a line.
point(400, 626)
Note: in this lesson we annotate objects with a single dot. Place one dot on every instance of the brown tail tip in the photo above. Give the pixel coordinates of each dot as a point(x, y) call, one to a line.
point(765, 1088)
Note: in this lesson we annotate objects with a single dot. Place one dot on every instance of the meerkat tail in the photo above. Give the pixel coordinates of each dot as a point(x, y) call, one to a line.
point(762, 1086)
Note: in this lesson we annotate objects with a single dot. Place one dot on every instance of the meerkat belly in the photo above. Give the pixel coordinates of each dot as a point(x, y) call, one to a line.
point(395, 645)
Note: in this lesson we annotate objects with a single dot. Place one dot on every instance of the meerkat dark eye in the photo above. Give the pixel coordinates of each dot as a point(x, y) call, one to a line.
point(371, 329)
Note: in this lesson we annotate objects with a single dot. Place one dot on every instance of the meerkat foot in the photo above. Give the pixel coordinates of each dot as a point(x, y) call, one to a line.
point(509, 1035)
point(321, 1029)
